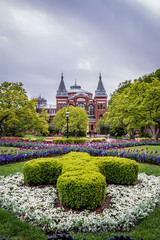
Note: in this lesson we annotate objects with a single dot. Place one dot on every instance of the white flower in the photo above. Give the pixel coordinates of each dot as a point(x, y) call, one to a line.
point(36, 205)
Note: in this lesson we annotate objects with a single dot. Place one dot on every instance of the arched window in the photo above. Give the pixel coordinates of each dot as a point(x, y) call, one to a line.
point(81, 105)
point(91, 110)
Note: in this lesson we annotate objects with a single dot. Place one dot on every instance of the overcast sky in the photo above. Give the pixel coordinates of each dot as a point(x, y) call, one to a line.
point(40, 39)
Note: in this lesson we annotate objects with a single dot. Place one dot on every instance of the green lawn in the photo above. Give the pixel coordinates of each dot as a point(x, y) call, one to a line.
point(147, 147)
point(12, 227)
point(7, 148)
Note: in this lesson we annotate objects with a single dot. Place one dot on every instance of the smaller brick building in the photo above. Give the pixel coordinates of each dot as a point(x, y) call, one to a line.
point(95, 106)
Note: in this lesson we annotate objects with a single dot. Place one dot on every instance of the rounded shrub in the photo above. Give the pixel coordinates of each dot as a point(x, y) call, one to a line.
point(82, 189)
point(42, 171)
point(118, 170)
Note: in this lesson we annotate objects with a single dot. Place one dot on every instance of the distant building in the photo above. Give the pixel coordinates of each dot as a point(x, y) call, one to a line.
point(76, 96)
point(42, 103)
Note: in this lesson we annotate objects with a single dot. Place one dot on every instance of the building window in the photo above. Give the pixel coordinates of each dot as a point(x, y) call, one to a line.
point(59, 106)
point(99, 105)
point(91, 127)
point(81, 105)
point(103, 105)
point(64, 104)
point(91, 110)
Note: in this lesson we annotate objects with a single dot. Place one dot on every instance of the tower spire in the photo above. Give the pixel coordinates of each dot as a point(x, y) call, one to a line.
point(100, 88)
point(62, 88)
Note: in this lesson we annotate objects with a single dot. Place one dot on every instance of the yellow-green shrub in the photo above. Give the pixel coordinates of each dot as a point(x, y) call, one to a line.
point(70, 140)
point(118, 170)
point(42, 171)
point(81, 179)
point(82, 189)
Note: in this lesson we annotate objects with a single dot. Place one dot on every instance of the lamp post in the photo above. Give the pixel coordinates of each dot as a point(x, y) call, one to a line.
point(67, 115)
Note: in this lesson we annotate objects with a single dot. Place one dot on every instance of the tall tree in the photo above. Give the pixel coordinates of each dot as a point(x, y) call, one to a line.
point(137, 106)
point(120, 89)
point(78, 120)
point(17, 112)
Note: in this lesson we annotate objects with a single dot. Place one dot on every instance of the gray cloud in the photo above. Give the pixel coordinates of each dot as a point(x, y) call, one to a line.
point(40, 39)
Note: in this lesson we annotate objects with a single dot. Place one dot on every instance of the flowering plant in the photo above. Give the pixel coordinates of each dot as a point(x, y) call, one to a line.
point(129, 205)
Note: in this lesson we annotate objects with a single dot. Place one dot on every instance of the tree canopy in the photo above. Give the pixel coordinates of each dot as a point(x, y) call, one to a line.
point(78, 120)
point(136, 106)
point(17, 113)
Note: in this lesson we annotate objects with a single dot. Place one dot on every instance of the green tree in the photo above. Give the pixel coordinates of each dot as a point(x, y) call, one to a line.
point(17, 112)
point(137, 106)
point(120, 89)
point(102, 128)
point(78, 120)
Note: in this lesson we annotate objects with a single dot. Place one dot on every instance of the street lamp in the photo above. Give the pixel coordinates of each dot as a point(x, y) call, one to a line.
point(67, 116)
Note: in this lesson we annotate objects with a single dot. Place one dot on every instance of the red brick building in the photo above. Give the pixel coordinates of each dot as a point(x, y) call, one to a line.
point(95, 106)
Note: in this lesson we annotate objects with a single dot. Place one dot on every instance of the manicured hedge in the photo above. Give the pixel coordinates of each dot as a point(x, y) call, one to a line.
point(118, 170)
point(81, 179)
point(69, 140)
point(82, 189)
point(42, 171)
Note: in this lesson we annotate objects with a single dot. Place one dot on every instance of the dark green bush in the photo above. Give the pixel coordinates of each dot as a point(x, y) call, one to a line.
point(96, 140)
point(82, 189)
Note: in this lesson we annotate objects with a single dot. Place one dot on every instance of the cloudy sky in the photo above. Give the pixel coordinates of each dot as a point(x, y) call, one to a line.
point(40, 39)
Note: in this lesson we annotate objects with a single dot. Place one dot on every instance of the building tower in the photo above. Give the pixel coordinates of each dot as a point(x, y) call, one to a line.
point(100, 99)
point(61, 96)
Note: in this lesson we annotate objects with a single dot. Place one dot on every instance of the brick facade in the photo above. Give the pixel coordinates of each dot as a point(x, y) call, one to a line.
point(95, 106)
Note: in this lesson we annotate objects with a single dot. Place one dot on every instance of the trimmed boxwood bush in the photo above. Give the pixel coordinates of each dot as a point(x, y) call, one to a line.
point(118, 170)
point(70, 140)
point(81, 179)
point(82, 189)
point(42, 171)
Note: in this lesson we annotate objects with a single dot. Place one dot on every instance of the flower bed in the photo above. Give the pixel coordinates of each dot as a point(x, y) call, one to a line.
point(36, 150)
point(95, 145)
point(129, 205)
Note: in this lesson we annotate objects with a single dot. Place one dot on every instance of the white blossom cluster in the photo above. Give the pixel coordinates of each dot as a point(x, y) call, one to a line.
point(129, 205)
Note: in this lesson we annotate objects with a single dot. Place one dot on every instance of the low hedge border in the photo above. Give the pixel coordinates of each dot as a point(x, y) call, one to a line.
point(80, 178)
point(69, 140)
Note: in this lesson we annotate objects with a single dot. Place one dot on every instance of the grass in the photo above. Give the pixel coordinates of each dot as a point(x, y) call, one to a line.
point(34, 137)
point(8, 169)
point(7, 148)
point(12, 227)
point(147, 147)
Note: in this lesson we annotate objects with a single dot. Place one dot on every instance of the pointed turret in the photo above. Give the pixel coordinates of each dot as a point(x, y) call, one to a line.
point(100, 88)
point(62, 89)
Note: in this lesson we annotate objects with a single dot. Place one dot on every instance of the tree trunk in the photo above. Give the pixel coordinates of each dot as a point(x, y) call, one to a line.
point(155, 129)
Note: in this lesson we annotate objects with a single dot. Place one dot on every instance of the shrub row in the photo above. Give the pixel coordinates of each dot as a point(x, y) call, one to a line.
point(69, 140)
point(81, 179)
point(77, 140)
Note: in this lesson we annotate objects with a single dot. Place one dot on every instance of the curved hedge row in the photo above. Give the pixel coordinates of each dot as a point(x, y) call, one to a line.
point(81, 179)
